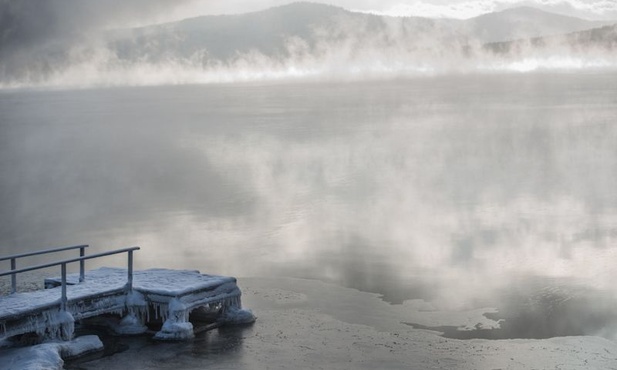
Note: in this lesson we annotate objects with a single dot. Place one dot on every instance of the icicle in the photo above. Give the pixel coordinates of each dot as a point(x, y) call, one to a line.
point(57, 325)
point(159, 310)
point(163, 311)
point(137, 305)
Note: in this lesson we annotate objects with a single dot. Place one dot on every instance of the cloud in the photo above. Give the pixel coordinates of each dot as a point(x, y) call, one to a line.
point(592, 9)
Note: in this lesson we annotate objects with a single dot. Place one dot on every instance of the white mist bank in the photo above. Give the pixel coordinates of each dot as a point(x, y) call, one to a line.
point(304, 42)
point(361, 57)
point(258, 68)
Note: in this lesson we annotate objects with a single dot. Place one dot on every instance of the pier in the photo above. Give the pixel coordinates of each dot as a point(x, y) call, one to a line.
point(138, 298)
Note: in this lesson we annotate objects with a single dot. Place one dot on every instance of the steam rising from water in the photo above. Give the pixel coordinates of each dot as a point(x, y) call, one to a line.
point(101, 67)
point(444, 188)
point(462, 192)
point(398, 191)
point(352, 48)
point(464, 183)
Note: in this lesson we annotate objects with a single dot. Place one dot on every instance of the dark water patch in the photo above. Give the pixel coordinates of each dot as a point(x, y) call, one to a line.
point(550, 312)
point(112, 345)
point(360, 264)
point(223, 340)
point(208, 345)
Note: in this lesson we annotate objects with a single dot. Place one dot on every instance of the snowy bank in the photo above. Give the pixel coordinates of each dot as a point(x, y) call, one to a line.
point(48, 356)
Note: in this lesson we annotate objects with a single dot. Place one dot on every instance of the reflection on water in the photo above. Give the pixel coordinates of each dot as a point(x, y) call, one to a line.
point(541, 308)
point(439, 188)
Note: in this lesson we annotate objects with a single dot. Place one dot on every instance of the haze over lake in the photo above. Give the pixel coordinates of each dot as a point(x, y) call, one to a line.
point(441, 188)
point(447, 174)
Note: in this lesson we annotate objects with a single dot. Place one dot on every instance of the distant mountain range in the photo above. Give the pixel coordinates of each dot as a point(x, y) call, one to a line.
point(308, 27)
point(582, 42)
point(524, 22)
point(270, 32)
point(315, 37)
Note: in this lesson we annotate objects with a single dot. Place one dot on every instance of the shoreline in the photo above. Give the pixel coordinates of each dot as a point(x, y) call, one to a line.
point(311, 324)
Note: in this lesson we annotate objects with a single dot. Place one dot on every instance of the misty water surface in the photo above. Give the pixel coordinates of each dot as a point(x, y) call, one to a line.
point(456, 190)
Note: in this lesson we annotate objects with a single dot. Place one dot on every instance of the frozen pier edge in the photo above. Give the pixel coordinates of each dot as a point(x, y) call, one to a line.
point(138, 297)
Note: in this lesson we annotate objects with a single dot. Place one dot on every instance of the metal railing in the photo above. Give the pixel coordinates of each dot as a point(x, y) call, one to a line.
point(13, 258)
point(63, 301)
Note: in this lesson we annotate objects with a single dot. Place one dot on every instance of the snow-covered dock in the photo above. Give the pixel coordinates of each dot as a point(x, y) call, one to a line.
point(138, 297)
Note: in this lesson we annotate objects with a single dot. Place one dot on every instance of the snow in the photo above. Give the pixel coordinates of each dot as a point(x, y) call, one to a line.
point(48, 356)
point(80, 346)
point(17, 303)
point(237, 316)
point(173, 330)
point(154, 281)
point(135, 299)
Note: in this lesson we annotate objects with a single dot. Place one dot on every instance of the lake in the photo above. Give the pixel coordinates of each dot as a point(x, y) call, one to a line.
point(468, 191)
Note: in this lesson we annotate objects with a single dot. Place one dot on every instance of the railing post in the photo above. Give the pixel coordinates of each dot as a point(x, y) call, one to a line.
point(63, 300)
point(82, 264)
point(130, 272)
point(13, 276)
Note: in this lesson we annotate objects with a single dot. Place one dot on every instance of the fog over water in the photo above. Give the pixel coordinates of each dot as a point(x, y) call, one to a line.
point(459, 169)
point(85, 44)
point(449, 189)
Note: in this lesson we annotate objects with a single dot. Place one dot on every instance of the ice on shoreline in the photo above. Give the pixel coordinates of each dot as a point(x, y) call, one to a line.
point(311, 324)
point(48, 356)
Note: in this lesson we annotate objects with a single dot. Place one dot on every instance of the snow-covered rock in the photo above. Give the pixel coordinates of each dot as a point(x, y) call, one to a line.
point(48, 356)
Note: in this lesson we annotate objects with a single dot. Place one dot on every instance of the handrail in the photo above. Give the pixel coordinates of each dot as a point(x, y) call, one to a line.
point(46, 251)
point(71, 260)
point(14, 258)
point(63, 264)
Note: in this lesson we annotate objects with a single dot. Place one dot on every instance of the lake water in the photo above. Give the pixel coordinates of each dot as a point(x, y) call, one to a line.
point(464, 191)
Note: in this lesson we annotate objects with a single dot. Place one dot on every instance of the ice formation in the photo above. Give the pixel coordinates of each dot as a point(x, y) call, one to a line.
point(169, 295)
point(176, 325)
point(137, 314)
point(59, 324)
point(130, 325)
point(48, 356)
point(237, 316)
